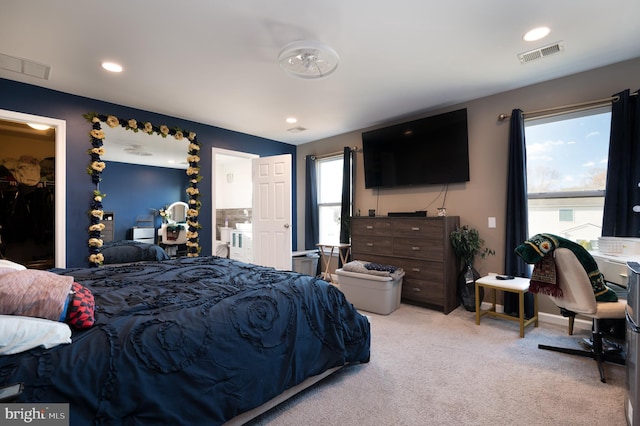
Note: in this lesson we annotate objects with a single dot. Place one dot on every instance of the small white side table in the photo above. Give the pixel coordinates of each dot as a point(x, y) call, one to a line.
point(517, 285)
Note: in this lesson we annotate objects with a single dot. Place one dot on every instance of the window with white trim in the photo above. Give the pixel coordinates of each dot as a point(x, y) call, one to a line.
point(567, 157)
point(329, 177)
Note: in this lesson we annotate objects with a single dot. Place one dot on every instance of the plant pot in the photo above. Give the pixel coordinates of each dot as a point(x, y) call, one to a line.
point(467, 288)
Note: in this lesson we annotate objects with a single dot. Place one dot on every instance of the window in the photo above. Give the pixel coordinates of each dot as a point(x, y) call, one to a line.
point(567, 158)
point(329, 198)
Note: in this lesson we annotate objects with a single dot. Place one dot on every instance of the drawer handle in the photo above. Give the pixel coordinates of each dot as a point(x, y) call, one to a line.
point(415, 228)
point(369, 244)
point(415, 248)
point(416, 289)
point(415, 269)
point(369, 226)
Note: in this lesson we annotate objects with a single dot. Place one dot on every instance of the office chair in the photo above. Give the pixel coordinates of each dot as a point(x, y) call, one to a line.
point(578, 298)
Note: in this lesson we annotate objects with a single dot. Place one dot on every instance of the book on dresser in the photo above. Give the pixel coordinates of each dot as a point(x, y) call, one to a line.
point(419, 245)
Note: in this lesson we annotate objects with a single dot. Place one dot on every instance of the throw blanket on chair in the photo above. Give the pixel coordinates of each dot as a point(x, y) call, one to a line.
point(543, 277)
point(537, 247)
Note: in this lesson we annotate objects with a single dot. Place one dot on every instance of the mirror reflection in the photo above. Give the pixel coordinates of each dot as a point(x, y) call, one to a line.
point(125, 146)
point(137, 168)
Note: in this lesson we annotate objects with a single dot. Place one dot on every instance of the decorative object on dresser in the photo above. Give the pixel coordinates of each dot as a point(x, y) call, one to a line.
point(420, 246)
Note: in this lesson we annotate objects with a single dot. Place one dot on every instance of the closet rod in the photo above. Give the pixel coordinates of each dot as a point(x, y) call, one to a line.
point(595, 103)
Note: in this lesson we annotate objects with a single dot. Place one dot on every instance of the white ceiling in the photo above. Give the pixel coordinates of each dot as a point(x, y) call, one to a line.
point(215, 61)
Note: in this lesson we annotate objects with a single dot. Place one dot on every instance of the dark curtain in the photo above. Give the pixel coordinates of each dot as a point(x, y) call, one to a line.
point(345, 208)
point(311, 224)
point(517, 223)
point(623, 171)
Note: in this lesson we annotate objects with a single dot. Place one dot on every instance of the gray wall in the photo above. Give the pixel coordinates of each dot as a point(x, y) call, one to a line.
point(484, 195)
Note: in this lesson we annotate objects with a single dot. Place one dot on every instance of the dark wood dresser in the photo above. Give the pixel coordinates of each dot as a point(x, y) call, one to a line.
point(420, 246)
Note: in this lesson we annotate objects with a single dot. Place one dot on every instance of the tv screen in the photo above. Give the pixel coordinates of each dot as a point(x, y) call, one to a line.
point(430, 150)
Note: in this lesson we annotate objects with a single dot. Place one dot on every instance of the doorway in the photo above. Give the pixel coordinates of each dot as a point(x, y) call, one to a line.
point(46, 245)
point(232, 189)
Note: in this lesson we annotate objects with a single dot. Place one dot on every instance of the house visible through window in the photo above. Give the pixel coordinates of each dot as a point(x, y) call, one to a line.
point(329, 198)
point(567, 159)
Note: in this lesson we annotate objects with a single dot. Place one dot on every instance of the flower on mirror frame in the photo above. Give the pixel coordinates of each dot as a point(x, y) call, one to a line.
point(97, 134)
point(96, 258)
point(148, 127)
point(95, 242)
point(97, 213)
point(179, 135)
point(112, 121)
point(164, 130)
point(132, 124)
point(98, 166)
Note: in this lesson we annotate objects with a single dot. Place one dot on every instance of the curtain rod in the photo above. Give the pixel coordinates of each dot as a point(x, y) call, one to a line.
point(595, 103)
point(333, 154)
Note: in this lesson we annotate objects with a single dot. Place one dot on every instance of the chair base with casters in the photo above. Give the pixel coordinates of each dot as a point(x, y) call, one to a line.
point(578, 298)
point(596, 351)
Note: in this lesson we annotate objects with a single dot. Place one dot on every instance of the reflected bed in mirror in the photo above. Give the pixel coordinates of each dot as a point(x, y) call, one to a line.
point(104, 127)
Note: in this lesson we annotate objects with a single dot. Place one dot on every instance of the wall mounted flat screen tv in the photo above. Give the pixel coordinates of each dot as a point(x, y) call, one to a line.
point(432, 150)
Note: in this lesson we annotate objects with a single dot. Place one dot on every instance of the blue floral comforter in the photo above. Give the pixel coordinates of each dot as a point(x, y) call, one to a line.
point(191, 341)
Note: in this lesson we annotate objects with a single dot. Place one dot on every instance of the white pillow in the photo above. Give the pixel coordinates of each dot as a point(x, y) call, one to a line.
point(19, 334)
point(4, 263)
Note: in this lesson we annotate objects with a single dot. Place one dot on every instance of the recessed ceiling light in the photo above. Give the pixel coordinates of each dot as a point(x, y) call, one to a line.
point(292, 120)
point(536, 34)
point(112, 66)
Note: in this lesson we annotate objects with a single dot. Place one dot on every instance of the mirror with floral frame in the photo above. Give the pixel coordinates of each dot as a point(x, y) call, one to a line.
point(96, 167)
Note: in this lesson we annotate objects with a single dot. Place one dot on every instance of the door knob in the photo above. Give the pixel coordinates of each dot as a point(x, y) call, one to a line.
point(286, 225)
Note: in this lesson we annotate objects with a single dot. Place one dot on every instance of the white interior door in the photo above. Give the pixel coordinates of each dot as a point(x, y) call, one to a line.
point(272, 234)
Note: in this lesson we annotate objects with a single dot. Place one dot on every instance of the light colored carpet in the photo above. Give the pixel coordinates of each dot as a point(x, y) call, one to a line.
point(428, 368)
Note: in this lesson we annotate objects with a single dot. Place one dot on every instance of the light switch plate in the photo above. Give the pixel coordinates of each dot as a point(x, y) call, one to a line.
point(492, 222)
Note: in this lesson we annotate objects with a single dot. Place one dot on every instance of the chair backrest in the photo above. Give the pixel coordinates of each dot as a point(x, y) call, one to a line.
point(577, 292)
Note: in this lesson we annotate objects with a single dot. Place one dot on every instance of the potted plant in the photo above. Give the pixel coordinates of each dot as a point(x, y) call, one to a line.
point(467, 244)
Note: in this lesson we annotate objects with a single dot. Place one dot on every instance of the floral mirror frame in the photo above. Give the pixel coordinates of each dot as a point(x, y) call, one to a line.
point(96, 167)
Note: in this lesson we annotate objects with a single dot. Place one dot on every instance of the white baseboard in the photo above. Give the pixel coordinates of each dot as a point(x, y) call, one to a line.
point(555, 319)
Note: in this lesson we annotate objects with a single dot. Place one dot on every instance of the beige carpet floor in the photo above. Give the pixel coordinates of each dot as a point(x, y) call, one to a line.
point(428, 368)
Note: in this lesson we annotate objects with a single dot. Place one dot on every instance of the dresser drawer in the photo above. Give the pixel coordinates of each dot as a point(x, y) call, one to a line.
point(417, 249)
point(422, 229)
point(372, 245)
point(423, 291)
point(371, 227)
point(422, 270)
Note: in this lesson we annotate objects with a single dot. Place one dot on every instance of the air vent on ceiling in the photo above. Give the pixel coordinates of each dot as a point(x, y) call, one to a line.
point(24, 66)
point(541, 52)
point(296, 129)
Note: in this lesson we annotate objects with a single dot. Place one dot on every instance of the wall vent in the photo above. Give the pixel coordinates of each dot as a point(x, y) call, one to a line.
point(24, 66)
point(296, 129)
point(541, 52)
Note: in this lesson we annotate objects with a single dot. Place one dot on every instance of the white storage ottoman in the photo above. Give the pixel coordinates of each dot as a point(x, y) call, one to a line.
point(372, 293)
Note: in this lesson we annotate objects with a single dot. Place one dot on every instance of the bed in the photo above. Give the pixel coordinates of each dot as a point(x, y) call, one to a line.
point(197, 340)
point(127, 251)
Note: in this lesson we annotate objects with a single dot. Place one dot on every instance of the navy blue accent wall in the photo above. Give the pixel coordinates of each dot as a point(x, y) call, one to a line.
point(29, 99)
point(135, 190)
